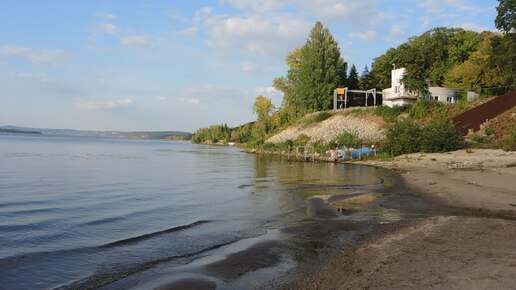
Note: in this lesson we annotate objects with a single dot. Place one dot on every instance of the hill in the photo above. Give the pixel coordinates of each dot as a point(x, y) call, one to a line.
point(366, 127)
point(146, 135)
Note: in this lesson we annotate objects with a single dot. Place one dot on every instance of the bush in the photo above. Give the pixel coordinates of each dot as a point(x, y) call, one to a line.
point(301, 140)
point(440, 136)
point(390, 115)
point(477, 138)
point(316, 118)
point(402, 138)
point(347, 140)
point(509, 143)
point(422, 109)
point(490, 131)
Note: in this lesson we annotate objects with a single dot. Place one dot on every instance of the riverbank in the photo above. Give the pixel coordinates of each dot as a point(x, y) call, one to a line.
point(449, 252)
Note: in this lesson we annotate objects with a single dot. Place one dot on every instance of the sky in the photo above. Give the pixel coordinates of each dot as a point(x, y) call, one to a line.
point(180, 65)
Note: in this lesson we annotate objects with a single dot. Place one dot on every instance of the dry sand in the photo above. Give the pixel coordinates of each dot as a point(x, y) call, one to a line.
point(467, 252)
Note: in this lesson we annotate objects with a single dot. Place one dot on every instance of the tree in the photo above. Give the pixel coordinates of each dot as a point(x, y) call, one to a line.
point(315, 70)
point(263, 108)
point(427, 58)
point(366, 81)
point(353, 82)
point(506, 17)
point(440, 136)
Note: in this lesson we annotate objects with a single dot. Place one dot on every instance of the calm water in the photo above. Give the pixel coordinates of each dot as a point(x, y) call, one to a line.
point(83, 209)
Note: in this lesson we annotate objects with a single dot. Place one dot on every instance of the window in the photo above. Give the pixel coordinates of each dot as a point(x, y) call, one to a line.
point(449, 99)
point(435, 98)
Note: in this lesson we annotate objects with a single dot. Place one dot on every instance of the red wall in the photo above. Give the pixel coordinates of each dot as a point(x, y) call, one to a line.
point(473, 118)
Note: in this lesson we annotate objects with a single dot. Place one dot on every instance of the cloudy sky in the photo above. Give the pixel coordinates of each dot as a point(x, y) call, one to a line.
point(180, 65)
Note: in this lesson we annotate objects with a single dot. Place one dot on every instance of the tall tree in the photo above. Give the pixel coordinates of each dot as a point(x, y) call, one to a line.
point(315, 70)
point(506, 17)
point(427, 58)
point(366, 81)
point(353, 82)
point(263, 108)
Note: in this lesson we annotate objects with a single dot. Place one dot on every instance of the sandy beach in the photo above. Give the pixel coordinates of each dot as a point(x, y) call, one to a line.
point(442, 252)
point(466, 242)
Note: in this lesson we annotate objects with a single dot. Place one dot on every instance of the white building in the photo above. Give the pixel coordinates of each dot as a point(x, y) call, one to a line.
point(398, 95)
point(443, 95)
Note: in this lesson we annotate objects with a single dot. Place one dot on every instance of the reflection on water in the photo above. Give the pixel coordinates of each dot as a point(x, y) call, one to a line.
point(86, 211)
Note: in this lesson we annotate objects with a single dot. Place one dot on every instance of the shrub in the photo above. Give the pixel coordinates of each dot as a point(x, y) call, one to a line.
point(477, 138)
point(422, 109)
point(321, 116)
point(390, 115)
point(316, 118)
point(490, 131)
point(402, 138)
point(440, 136)
point(509, 143)
point(347, 140)
point(301, 140)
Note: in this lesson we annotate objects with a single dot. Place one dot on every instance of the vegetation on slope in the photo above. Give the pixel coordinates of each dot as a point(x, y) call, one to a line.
point(453, 57)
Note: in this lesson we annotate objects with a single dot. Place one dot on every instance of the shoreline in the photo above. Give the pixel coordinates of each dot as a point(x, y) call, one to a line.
point(457, 252)
point(469, 247)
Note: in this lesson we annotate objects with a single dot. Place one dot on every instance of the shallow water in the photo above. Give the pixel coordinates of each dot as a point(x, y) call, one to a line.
point(90, 211)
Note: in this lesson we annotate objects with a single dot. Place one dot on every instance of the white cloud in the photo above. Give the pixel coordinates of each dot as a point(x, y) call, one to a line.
point(202, 14)
point(474, 27)
point(189, 32)
point(176, 15)
point(136, 40)
point(108, 16)
point(396, 32)
point(109, 28)
point(367, 35)
point(193, 101)
point(162, 98)
point(356, 13)
point(270, 37)
point(264, 5)
point(212, 93)
point(336, 11)
point(104, 105)
point(275, 95)
point(252, 67)
point(35, 56)
point(425, 21)
point(44, 83)
point(438, 6)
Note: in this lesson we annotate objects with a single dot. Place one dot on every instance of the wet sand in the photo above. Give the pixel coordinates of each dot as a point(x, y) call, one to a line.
point(473, 249)
point(443, 252)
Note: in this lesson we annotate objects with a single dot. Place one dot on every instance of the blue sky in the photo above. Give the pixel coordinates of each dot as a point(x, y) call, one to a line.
point(180, 65)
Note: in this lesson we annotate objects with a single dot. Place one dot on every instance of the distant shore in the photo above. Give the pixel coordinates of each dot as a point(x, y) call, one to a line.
point(462, 252)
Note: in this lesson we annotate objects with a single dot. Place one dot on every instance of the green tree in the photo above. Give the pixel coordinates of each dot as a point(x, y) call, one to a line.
point(427, 58)
point(506, 17)
point(366, 81)
point(440, 136)
point(315, 70)
point(353, 81)
point(264, 109)
point(402, 138)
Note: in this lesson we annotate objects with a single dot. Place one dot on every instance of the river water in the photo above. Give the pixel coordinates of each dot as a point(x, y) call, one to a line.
point(78, 210)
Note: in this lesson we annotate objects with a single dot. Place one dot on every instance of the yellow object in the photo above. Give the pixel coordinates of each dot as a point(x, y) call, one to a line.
point(341, 91)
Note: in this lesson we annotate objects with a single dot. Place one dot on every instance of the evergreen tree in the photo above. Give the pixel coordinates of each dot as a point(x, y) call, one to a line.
point(366, 81)
point(316, 69)
point(353, 82)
